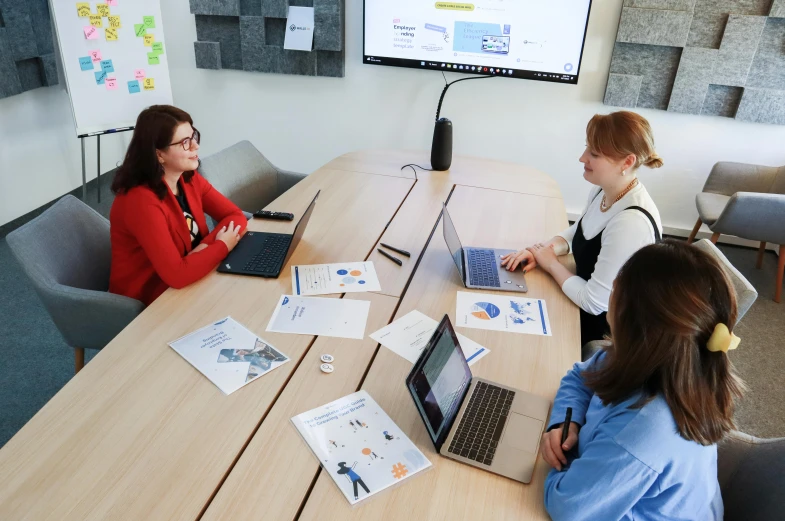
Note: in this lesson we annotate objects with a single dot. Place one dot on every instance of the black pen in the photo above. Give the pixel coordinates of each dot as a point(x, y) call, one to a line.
point(396, 250)
point(565, 428)
point(396, 260)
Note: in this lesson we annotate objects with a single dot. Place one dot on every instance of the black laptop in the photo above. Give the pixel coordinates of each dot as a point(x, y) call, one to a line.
point(264, 254)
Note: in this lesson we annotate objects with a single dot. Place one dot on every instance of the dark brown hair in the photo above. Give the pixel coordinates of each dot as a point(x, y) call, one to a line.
point(154, 130)
point(620, 134)
point(666, 301)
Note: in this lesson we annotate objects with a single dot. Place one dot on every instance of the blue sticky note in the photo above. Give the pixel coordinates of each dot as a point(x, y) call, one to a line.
point(86, 63)
point(106, 66)
point(100, 77)
point(133, 86)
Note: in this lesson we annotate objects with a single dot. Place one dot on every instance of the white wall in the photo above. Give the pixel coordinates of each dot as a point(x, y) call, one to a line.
point(300, 123)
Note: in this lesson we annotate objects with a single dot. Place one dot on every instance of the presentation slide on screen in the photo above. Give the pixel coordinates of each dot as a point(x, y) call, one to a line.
point(530, 35)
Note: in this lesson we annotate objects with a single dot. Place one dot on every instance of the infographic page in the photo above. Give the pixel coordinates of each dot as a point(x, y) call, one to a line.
point(520, 38)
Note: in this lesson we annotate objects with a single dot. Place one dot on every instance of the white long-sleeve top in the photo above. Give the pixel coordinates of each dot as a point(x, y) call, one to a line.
point(625, 232)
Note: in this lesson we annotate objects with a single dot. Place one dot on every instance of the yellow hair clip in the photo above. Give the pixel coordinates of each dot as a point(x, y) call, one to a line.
point(722, 339)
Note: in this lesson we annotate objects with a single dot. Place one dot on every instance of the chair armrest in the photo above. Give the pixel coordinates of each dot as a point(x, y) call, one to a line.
point(87, 318)
point(727, 178)
point(753, 216)
point(287, 179)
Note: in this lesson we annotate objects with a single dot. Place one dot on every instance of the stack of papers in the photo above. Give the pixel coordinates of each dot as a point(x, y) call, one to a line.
point(343, 318)
point(408, 336)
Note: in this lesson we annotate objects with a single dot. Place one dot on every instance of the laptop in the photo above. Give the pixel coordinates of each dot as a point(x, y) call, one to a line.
point(480, 268)
point(264, 254)
point(473, 420)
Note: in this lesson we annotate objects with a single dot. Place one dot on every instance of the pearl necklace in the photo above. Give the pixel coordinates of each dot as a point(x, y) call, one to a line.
point(604, 208)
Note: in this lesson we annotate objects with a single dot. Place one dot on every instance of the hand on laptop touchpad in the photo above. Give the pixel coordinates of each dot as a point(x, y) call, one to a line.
point(522, 432)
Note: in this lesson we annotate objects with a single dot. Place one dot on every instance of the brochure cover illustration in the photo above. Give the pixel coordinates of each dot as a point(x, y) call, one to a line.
point(359, 446)
point(228, 354)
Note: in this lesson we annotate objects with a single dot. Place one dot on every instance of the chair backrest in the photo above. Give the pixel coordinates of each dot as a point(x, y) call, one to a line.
point(243, 175)
point(745, 292)
point(66, 245)
point(778, 186)
point(751, 472)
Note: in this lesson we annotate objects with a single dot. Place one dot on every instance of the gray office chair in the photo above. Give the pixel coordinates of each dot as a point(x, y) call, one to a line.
point(747, 201)
point(751, 472)
point(246, 177)
point(66, 253)
point(745, 294)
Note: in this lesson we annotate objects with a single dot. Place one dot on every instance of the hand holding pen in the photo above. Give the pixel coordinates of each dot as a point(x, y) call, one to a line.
point(558, 441)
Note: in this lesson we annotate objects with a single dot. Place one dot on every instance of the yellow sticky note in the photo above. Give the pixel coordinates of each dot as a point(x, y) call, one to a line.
point(149, 39)
point(96, 20)
point(114, 21)
point(149, 84)
point(111, 35)
point(102, 9)
point(83, 9)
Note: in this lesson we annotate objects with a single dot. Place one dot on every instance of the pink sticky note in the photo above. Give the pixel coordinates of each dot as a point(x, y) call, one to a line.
point(111, 2)
point(139, 74)
point(96, 55)
point(111, 83)
point(90, 32)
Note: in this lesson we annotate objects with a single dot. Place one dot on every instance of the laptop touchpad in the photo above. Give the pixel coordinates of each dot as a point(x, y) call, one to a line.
point(522, 432)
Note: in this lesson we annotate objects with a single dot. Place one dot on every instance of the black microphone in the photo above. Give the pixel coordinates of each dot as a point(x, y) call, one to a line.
point(441, 147)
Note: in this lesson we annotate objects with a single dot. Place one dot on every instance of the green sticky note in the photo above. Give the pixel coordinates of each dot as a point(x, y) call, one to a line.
point(152, 58)
point(140, 30)
point(158, 48)
point(149, 22)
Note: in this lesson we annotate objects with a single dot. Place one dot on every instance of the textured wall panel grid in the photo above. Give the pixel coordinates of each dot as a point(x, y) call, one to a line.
point(728, 61)
point(249, 35)
point(26, 47)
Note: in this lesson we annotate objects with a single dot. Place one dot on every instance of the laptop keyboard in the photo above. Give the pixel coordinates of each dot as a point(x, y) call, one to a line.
point(270, 255)
point(480, 430)
point(482, 268)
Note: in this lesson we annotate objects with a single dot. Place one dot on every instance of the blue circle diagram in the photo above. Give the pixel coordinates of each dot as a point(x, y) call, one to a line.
point(342, 272)
point(349, 280)
point(485, 310)
point(360, 282)
point(568, 67)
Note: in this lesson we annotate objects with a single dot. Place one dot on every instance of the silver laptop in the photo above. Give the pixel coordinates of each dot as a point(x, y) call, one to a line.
point(480, 268)
point(473, 420)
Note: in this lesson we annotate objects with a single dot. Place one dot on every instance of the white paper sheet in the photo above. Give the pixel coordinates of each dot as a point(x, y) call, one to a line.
point(228, 354)
point(299, 29)
point(343, 277)
point(409, 335)
point(502, 313)
point(343, 318)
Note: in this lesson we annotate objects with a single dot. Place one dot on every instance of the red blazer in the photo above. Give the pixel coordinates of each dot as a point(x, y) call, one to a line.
point(151, 241)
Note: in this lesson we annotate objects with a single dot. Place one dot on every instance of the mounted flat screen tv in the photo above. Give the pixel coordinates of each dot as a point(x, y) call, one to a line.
point(530, 39)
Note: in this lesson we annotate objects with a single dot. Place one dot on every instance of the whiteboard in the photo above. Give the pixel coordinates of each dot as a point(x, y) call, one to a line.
point(102, 63)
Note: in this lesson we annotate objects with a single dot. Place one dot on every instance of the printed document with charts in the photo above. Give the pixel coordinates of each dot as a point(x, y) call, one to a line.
point(228, 354)
point(359, 446)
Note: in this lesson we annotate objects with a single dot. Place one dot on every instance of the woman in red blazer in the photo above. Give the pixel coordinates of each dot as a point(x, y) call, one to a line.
point(157, 223)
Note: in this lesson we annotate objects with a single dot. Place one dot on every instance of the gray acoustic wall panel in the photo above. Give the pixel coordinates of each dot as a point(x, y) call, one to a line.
point(249, 35)
point(654, 26)
point(26, 48)
point(728, 60)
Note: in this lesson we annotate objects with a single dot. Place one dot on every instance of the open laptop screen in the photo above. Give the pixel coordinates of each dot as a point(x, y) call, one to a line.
point(300, 228)
point(452, 240)
point(439, 381)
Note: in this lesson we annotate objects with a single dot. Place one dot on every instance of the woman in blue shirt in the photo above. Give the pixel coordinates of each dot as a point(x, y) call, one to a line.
point(648, 412)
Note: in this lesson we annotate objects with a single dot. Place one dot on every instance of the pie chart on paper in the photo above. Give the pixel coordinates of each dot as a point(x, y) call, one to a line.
point(485, 310)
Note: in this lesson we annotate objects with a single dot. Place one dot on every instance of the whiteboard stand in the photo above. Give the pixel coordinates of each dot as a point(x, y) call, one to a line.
point(98, 167)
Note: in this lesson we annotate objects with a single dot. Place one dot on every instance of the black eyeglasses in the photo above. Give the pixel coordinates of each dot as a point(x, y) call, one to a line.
point(186, 143)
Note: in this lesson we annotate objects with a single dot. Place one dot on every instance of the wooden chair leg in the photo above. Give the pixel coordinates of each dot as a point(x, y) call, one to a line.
point(691, 238)
point(714, 238)
point(761, 251)
point(780, 271)
point(78, 359)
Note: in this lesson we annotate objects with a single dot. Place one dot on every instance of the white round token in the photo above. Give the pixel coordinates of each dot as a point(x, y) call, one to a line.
point(327, 368)
point(327, 358)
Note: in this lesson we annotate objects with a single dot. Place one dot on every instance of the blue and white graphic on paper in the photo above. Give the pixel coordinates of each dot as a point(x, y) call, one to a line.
point(342, 277)
point(502, 313)
point(359, 446)
point(336, 317)
point(409, 335)
point(228, 354)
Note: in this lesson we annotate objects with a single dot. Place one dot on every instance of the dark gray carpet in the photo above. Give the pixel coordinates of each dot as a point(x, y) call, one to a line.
point(37, 362)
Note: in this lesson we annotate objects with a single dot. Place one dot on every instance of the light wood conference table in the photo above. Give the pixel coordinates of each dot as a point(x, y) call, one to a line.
point(140, 434)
